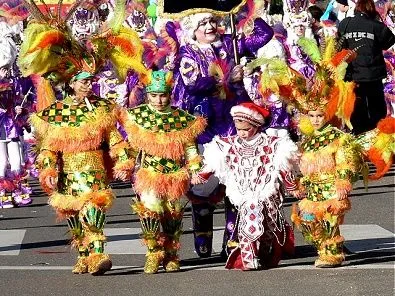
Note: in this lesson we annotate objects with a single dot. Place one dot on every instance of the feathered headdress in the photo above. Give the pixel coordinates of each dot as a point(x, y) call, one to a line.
point(50, 51)
point(326, 90)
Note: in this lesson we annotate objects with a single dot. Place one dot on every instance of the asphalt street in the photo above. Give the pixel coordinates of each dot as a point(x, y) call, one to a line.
point(36, 259)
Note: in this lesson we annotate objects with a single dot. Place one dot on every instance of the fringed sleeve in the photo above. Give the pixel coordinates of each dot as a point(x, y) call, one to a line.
point(286, 155)
point(193, 159)
point(349, 162)
point(120, 152)
point(47, 165)
point(214, 157)
point(286, 158)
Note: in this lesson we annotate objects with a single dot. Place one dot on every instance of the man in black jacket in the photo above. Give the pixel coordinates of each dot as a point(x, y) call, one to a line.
point(369, 37)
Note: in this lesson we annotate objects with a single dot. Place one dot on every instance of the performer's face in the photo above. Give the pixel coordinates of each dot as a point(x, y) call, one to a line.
point(159, 101)
point(317, 118)
point(206, 32)
point(82, 88)
point(245, 130)
point(300, 30)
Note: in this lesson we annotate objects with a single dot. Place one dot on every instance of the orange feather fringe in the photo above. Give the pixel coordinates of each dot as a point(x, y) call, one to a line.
point(45, 94)
point(345, 55)
point(382, 167)
point(343, 185)
point(125, 45)
point(125, 165)
point(387, 125)
point(74, 139)
point(167, 145)
point(44, 174)
point(349, 102)
point(118, 148)
point(170, 186)
point(319, 208)
point(332, 104)
point(64, 203)
point(49, 39)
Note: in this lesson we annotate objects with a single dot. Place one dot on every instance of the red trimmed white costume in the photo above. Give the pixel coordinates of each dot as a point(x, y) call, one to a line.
point(254, 171)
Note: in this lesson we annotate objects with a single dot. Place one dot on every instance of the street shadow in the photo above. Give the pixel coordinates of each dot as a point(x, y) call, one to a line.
point(377, 186)
point(371, 251)
point(369, 193)
point(37, 245)
point(123, 237)
point(122, 221)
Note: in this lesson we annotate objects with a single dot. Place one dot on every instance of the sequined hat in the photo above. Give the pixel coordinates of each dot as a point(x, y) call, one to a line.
point(159, 82)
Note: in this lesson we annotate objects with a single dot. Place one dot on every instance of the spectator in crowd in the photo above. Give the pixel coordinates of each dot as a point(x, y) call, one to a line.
point(368, 36)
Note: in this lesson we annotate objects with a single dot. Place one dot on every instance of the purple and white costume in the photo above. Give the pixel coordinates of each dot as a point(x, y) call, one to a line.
point(13, 189)
point(295, 15)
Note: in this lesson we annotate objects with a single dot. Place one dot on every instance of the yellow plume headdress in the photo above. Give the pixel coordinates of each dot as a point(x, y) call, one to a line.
point(50, 51)
point(327, 90)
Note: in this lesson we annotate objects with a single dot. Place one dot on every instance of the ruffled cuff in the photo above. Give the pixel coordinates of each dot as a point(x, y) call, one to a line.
point(46, 159)
point(124, 166)
point(343, 185)
point(44, 174)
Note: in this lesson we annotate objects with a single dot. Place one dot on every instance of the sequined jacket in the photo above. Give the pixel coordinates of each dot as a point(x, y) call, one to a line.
point(74, 139)
point(331, 160)
point(12, 91)
point(166, 143)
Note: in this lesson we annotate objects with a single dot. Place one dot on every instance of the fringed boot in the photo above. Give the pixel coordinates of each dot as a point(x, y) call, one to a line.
point(330, 253)
point(77, 241)
point(154, 242)
point(93, 223)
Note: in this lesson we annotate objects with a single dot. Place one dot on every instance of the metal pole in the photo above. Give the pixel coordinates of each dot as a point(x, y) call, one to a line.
point(234, 38)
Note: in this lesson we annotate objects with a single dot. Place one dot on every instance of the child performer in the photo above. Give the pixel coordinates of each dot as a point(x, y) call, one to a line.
point(253, 166)
point(164, 137)
point(331, 161)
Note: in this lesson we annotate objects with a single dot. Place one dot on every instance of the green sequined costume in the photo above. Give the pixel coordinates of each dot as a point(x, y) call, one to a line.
point(331, 161)
point(166, 143)
point(74, 139)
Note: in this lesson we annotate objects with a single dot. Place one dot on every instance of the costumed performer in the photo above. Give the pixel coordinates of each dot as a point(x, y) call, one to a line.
point(77, 136)
point(208, 83)
point(165, 139)
point(254, 167)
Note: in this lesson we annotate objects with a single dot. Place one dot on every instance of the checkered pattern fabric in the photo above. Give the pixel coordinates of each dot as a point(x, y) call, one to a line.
point(63, 114)
point(161, 165)
point(322, 140)
point(320, 191)
point(147, 118)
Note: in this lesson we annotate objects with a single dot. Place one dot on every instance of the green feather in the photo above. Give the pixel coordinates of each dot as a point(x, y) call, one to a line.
point(119, 16)
point(310, 47)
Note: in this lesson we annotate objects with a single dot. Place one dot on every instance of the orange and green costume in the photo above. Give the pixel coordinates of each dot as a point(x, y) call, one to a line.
point(165, 142)
point(78, 143)
point(331, 162)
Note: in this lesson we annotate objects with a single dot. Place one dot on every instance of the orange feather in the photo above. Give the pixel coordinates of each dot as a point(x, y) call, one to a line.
point(387, 125)
point(346, 55)
point(332, 104)
point(49, 39)
point(126, 46)
point(350, 101)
